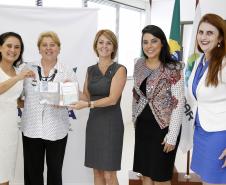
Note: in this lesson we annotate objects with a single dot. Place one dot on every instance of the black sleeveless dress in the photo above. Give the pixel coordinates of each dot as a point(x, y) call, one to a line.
point(104, 131)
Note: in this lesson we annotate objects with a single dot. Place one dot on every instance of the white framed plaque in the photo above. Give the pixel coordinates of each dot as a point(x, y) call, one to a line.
point(69, 93)
point(58, 93)
point(49, 92)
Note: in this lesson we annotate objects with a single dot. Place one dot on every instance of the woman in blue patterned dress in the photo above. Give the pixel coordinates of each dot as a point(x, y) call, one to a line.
point(207, 87)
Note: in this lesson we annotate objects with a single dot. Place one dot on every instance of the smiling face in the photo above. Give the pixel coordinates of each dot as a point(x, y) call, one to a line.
point(49, 49)
point(104, 47)
point(10, 49)
point(151, 46)
point(207, 37)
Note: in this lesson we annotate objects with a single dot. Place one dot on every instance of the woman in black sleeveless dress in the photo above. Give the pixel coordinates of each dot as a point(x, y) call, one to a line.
point(102, 93)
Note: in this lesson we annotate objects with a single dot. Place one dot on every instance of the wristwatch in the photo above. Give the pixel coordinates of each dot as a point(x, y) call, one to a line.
point(91, 104)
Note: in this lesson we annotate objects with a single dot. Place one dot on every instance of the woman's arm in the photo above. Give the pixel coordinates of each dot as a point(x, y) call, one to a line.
point(177, 114)
point(6, 85)
point(117, 86)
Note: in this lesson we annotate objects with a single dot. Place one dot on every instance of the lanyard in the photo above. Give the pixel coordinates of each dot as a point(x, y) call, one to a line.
point(198, 74)
point(47, 78)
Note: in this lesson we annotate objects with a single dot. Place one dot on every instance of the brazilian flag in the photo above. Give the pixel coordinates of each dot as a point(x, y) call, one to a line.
point(174, 40)
point(193, 54)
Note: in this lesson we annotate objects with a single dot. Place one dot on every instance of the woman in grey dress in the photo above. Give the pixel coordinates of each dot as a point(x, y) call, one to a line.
point(102, 94)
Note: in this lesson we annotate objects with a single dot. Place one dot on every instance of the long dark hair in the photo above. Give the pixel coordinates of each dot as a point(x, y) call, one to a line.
point(219, 52)
point(5, 36)
point(165, 56)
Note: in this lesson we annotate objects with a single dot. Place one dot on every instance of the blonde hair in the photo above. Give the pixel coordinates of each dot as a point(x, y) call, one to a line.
point(50, 34)
point(109, 35)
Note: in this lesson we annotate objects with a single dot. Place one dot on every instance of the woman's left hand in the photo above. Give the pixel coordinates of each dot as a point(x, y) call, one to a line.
point(20, 103)
point(167, 147)
point(223, 157)
point(79, 105)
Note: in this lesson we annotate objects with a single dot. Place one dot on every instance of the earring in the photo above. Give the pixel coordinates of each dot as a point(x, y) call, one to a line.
point(218, 45)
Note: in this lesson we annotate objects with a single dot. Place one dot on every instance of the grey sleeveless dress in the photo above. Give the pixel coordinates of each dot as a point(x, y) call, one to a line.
point(104, 131)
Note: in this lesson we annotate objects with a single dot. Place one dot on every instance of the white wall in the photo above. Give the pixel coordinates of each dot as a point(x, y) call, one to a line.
point(76, 29)
point(217, 7)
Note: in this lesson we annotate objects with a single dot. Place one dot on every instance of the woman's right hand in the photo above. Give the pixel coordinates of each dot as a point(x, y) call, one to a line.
point(79, 105)
point(20, 103)
point(26, 74)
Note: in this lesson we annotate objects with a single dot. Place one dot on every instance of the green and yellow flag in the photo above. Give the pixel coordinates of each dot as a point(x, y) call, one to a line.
point(193, 52)
point(175, 38)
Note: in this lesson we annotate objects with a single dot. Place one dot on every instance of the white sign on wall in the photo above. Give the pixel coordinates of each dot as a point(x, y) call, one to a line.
point(76, 29)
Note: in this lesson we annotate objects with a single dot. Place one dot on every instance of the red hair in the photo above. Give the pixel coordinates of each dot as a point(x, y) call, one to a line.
point(219, 52)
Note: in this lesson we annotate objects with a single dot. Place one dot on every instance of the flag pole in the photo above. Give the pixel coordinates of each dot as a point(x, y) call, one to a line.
point(187, 175)
point(150, 2)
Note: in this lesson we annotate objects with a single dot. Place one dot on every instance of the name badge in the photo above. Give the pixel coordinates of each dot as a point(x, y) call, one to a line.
point(50, 87)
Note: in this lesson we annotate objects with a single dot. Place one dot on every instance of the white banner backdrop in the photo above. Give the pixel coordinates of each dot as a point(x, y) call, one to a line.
point(76, 28)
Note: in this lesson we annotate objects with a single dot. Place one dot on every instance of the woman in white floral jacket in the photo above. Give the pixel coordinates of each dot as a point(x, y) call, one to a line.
point(157, 108)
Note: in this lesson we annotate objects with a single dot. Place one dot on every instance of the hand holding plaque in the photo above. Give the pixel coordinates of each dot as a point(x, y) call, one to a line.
point(69, 93)
point(59, 93)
